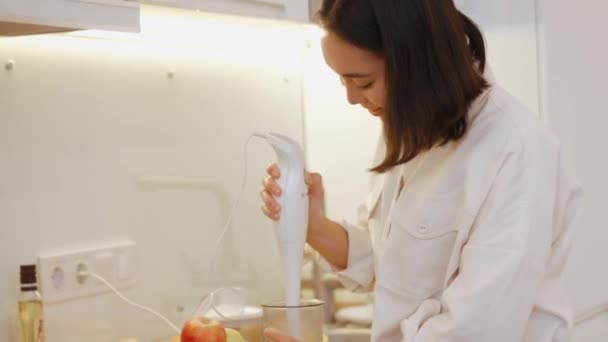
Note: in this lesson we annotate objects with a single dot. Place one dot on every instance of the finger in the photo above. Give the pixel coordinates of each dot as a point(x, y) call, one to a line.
point(278, 336)
point(312, 178)
point(271, 215)
point(314, 183)
point(274, 171)
point(270, 202)
point(271, 186)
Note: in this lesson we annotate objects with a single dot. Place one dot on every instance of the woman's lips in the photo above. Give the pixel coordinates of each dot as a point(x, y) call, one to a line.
point(376, 112)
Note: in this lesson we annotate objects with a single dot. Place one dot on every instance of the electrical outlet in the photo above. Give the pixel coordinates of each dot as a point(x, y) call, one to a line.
point(59, 272)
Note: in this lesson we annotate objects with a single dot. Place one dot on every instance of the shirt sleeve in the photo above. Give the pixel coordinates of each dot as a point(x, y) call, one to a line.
point(358, 276)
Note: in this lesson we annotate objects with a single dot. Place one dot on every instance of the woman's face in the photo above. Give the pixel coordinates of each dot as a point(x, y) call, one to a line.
point(361, 72)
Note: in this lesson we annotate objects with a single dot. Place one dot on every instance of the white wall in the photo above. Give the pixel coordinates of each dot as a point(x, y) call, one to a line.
point(510, 30)
point(574, 57)
point(82, 118)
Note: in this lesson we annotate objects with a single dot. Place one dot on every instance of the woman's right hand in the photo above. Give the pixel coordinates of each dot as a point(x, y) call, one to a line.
point(271, 190)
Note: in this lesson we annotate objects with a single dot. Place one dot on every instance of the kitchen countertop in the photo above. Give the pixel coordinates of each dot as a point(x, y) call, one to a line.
point(107, 331)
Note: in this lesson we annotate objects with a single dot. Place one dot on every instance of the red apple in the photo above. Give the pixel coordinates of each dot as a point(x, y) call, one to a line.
point(203, 330)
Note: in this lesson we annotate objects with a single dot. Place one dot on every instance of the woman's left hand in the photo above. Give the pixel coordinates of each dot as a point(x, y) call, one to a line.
point(278, 336)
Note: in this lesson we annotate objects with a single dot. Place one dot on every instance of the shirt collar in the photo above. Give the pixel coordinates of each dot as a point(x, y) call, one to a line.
point(480, 102)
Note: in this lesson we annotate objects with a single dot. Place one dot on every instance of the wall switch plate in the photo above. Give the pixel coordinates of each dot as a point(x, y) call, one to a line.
point(59, 279)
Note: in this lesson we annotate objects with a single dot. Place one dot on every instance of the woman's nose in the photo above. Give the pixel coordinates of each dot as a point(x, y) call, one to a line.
point(353, 95)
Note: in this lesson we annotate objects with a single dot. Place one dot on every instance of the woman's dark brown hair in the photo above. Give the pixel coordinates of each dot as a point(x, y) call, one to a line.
point(434, 57)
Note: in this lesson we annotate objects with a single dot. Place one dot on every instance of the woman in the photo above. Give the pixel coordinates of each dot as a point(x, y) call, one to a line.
point(469, 216)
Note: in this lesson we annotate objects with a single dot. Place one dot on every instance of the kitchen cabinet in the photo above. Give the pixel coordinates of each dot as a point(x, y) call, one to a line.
point(21, 17)
point(291, 10)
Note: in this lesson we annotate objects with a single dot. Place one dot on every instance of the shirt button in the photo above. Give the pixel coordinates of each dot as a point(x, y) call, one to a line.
point(422, 229)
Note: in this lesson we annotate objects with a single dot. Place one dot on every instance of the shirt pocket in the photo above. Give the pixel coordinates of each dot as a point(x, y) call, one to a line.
point(419, 243)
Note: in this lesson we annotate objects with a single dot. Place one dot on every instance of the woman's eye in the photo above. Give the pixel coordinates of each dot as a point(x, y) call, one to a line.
point(366, 86)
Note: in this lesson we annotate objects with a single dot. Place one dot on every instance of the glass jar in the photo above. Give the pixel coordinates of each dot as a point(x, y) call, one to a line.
point(305, 320)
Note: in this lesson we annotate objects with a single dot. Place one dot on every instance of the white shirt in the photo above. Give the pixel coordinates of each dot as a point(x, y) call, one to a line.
point(474, 246)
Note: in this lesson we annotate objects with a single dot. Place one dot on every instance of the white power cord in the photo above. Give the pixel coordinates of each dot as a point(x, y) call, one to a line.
point(85, 274)
point(209, 302)
point(233, 209)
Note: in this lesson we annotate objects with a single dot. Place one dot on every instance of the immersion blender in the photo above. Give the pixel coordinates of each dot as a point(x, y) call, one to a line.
point(292, 225)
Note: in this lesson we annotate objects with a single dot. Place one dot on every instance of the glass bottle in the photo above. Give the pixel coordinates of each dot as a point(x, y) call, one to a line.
point(31, 323)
